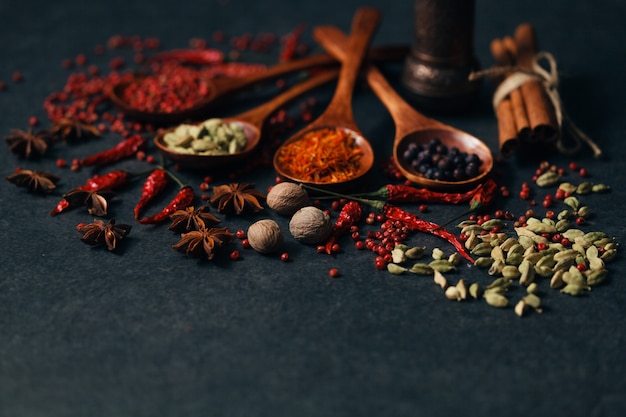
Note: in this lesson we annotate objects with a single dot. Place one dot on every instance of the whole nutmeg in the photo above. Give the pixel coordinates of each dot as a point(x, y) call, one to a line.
point(286, 198)
point(310, 225)
point(265, 236)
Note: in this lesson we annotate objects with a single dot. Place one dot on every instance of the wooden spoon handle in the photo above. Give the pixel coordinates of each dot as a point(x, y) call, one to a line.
point(339, 110)
point(232, 84)
point(258, 115)
point(405, 117)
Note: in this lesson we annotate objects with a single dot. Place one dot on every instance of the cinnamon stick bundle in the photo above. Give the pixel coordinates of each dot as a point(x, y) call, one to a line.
point(526, 114)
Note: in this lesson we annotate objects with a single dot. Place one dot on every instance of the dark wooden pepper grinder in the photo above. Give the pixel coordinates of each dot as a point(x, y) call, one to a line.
point(442, 56)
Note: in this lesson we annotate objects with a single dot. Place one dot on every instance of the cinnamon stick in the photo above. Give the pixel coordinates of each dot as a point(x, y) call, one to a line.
point(539, 108)
point(507, 125)
point(506, 57)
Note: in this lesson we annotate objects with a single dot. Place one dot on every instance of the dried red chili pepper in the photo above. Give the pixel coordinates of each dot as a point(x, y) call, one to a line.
point(290, 43)
point(401, 193)
point(349, 215)
point(414, 222)
point(153, 185)
point(110, 180)
point(124, 149)
point(484, 195)
point(183, 199)
point(191, 56)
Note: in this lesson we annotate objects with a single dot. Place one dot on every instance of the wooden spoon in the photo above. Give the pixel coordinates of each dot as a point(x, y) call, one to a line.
point(219, 88)
point(252, 122)
point(411, 125)
point(338, 115)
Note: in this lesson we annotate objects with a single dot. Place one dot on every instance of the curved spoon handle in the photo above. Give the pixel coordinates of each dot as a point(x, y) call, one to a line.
point(232, 84)
point(258, 115)
point(339, 110)
point(405, 117)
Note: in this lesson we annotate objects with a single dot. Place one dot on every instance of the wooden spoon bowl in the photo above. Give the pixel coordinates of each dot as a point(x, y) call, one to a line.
point(451, 138)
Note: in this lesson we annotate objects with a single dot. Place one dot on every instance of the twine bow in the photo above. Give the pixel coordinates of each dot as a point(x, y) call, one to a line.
point(549, 79)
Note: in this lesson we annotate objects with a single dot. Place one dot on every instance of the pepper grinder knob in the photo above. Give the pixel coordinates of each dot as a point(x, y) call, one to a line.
point(442, 56)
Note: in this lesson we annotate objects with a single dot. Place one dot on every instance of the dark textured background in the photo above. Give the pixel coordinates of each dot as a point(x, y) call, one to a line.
point(147, 332)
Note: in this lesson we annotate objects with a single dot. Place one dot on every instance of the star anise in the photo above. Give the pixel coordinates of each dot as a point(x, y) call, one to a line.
point(95, 201)
point(100, 232)
point(37, 181)
point(68, 129)
point(190, 218)
point(27, 143)
point(203, 243)
point(236, 198)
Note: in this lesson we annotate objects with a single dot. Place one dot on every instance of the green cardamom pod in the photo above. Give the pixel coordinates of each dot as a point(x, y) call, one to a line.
point(600, 188)
point(572, 202)
point(520, 308)
point(415, 253)
point(465, 223)
point(532, 300)
point(596, 264)
point(472, 228)
point(546, 260)
point(442, 265)
point(397, 255)
point(496, 300)
point(510, 272)
point(532, 288)
point(514, 258)
point(591, 252)
point(540, 227)
point(564, 214)
point(584, 188)
point(609, 255)
point(526, 242)
point(593, 236)
point(454, 258)
point(566, 254)
point(482, 249)
point(597, 277)
point(474, 290)
point(497, 254)
point(461, 286)
point(548, 179)
point(396, 269)
point(571, 234)
point(496, 268)
point(440, 279)
point(562, 225)
point(543, 271)
point(584, 212)
point(491, 223)
point(500, 282)
point(422, 269)
point(557, 279)
point(508, 244)
point(564, 264)
point(483, 262)
point(567, 187)
point(573, 289)
point(438, 254)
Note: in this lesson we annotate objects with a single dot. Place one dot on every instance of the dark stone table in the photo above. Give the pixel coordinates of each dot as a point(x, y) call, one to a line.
point(145, 331)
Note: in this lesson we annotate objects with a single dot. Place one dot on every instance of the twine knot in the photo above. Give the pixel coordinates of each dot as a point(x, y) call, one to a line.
point(549, 78)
